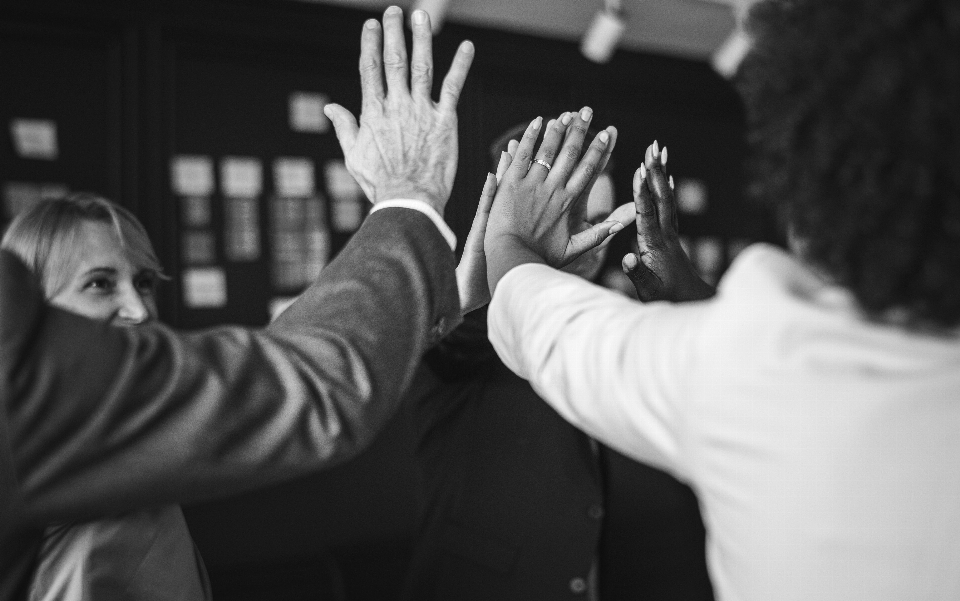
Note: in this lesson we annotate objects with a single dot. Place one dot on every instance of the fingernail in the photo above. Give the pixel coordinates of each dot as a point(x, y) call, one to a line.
point(656, 149)
point(670, 181)
point(663, 157)
point(565, 119)
point(550, 123)
point(392, 10)
point(419, 17)
point(616, 227)
point(643, 171)
point(586, 113)
point(603, 137)
point(371, 24)
point(535, 124)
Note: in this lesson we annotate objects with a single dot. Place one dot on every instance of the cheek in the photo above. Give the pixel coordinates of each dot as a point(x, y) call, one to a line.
point(87, 305)
point(150, 303)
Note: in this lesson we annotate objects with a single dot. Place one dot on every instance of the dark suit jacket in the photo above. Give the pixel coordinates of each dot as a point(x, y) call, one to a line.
point(100, 420)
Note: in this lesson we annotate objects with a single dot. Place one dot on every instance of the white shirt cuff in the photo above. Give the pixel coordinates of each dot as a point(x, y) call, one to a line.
point(426, 209)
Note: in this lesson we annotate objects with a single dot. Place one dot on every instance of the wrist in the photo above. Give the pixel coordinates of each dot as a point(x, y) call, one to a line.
point(504, 252)
point(399, 192)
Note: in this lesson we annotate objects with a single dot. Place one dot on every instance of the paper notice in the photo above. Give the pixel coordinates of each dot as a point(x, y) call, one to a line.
point(242, 229)
point(708, 255)
point(293, 176)
point(205, 288)
point(306, 112)
point(18, 196)
point(35, 138)
point(198, 247)
point(191, 175)
point(195, 211)
point(692, 196)
point(241, 177)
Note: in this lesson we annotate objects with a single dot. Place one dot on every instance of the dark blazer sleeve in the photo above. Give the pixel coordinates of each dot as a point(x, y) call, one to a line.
point(103, 419)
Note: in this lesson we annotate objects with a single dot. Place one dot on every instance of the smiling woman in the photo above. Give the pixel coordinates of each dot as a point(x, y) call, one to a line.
point(90, 257)
point(94, 258)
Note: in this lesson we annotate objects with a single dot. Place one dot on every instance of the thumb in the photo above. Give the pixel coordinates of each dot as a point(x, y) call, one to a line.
point(645, 281)
point(590, 239)
point(344, 123)
point(479, 226)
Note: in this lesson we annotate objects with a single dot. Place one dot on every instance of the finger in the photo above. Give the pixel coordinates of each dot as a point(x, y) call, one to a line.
point(512, 147)
point(486, 197)
point(593, 162)
point(648, 226)
point(569, 155)
point(505, 159)
point(456, 76)
point(663, 196)
point(479, 227)
point(590, 239)
point(625, 214)
point(371, 67)
point(421, 63)
point(552, 138)
point(644, 281)
point(524, 152)
point(394, 52)
point(344, 124)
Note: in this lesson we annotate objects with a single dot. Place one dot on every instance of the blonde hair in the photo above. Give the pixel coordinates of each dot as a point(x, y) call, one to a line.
point(45, 235)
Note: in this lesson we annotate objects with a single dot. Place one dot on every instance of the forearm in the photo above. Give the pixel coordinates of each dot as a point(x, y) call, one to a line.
point(115, 419)
point(602, 361)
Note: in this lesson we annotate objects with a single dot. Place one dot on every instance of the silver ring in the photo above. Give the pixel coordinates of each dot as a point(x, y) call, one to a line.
point(542, 162)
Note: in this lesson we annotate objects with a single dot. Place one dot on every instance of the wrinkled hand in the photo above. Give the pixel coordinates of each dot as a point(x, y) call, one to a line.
point(539, 210)
point(406, 144)
point(661, 270)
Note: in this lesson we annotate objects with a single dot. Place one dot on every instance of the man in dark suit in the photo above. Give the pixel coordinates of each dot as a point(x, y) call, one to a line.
point(518, 504)
point(98, 420)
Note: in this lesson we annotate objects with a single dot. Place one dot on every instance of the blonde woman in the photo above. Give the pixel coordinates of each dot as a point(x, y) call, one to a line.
point(94, 258)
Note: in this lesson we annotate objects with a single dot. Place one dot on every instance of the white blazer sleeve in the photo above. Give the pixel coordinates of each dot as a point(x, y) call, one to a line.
point(613, 367)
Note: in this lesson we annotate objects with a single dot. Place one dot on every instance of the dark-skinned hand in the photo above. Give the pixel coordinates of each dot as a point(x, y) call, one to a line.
point(661, 269)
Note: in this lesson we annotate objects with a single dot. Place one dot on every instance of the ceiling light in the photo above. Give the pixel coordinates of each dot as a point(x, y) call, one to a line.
point(605, 32)
point(437, 9)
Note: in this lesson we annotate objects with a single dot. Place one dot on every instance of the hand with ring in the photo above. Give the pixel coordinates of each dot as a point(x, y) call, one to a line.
point(539, 208)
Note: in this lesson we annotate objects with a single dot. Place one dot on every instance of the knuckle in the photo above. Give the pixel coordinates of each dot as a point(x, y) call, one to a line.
point(421, 72)
point(394, 60)
point(369, 66)
point(451, 89)
point(572, 153)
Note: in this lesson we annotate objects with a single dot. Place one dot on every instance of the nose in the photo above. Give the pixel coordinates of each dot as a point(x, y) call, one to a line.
point(132, 308)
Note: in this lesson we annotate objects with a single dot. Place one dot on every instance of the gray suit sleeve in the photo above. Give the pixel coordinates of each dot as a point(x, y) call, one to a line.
point(104, 419)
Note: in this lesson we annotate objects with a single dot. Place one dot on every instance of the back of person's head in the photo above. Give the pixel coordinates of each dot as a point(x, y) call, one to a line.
point(45, 235)
point(854, 119)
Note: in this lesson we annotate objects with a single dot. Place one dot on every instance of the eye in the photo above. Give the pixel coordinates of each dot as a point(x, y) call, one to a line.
point(100, 284)
point(146, 282)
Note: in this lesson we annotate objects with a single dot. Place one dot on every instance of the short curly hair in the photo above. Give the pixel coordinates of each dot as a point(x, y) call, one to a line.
point(853, 111)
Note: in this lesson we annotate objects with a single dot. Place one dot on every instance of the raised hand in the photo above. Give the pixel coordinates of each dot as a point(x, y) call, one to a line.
point(661, 270)
point(472, 269)
point(537, 213)
point(405, 146)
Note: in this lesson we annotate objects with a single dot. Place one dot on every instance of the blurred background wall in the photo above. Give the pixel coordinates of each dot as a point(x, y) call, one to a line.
point(204, 117)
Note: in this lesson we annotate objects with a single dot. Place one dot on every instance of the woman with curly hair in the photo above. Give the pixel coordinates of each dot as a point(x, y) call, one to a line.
point(813, 401)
